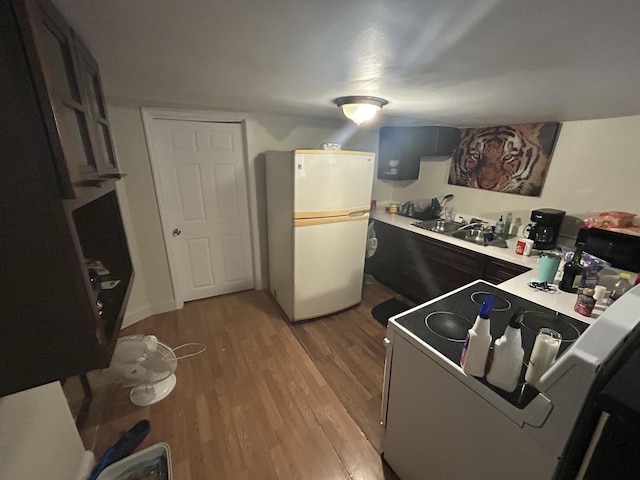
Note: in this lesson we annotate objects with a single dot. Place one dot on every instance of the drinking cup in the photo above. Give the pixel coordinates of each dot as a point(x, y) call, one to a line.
point(545, 350)
point(450, 214)
point(599, 293)
point(548, 266)
point(528, 246)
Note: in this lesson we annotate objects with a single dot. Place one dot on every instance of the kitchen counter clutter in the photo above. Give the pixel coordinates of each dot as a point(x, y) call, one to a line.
point(422, 264)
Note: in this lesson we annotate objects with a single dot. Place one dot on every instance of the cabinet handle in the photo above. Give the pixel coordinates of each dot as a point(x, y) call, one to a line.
point(117, 176)
point(176, 232)
point(97, 182)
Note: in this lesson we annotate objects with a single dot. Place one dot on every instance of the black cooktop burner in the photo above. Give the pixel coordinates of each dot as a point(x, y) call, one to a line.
point(500, 304)
point(448, 325)
point(437, 333)
point(535, 320)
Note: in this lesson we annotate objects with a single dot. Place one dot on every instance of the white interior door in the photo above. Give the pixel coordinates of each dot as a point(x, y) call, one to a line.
point(201, 179)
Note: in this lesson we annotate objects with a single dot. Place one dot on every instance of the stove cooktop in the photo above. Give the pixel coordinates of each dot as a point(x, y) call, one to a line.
point(443, 326)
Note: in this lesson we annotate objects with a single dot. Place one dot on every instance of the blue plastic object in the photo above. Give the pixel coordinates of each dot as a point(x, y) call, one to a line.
point(124, 447)
point(487, 306)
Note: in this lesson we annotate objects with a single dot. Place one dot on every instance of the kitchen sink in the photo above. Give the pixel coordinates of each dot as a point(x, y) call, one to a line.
point(440, 226)
point(474, 235)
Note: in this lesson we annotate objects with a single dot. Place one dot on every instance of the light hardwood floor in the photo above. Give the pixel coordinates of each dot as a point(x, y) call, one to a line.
point(266, 400)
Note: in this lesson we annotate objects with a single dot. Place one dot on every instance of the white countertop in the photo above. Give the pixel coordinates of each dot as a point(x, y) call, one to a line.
point(559, 301)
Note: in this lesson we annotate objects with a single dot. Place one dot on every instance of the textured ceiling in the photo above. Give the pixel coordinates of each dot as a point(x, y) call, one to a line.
point(451, 62)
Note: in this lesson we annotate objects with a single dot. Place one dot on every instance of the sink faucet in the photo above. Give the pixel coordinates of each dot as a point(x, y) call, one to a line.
point(481, 225)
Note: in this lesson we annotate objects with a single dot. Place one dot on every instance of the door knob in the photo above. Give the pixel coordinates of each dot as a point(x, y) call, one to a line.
point(176, 232)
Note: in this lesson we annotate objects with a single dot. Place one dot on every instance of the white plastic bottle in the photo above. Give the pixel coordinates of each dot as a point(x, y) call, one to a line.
point(476, 347)
point(499, 226)
point(507, 356)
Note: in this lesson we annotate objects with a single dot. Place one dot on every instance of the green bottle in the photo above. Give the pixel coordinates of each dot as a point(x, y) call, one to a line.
point(507, 226)
point(572, 274)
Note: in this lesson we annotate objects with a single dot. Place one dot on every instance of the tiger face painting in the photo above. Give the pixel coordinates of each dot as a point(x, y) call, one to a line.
point(509, 159)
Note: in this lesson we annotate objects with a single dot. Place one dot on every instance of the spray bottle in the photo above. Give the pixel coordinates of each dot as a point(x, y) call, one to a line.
point(507, 356)
point(476, 347)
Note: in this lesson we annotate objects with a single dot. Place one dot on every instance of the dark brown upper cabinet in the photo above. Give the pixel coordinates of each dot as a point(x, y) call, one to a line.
point(66, 78)
point(66, 269)
point(98, 121)
point(400, 149)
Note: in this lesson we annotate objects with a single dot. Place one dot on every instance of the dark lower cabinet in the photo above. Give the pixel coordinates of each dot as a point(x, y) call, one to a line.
point(56, 319)
point(433, 268)
point(422, 268)
point(497, 271)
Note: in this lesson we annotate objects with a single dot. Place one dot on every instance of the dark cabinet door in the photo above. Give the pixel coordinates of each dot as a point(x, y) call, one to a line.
point(68, 83)
point(434, 268)
point(387, 264)
point(91, 88)
point(401, 148)
point(498, 271)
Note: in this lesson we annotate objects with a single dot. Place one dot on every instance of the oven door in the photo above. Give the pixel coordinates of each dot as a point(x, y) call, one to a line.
point(437, 427)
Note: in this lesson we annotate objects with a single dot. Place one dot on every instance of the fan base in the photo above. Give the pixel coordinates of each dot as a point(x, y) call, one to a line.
point(143, 395)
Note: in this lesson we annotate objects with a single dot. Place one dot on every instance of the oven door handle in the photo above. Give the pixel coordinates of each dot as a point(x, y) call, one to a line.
point(388, 354)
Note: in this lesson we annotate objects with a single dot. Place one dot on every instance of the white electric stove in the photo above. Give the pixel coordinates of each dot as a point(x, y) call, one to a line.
point(439, 423)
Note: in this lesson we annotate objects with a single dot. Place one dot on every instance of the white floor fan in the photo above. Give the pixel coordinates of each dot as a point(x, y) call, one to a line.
point(145, 364)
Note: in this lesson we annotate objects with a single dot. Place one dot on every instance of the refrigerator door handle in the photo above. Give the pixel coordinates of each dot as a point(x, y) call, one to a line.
point(358, 213)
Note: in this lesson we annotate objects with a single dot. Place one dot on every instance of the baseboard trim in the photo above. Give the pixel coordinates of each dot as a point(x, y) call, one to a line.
point(150, 309)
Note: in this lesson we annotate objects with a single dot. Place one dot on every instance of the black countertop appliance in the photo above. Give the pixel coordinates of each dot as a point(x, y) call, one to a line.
point(544, 232)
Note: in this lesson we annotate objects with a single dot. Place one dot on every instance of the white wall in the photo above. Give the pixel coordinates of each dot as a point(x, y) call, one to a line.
point(152, 292)
point(595, 167)
point(39, 438)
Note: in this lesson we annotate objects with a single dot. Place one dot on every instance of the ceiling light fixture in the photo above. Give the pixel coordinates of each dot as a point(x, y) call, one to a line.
point(360, 108)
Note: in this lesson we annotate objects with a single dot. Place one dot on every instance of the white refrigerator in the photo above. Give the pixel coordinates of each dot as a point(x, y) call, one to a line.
point(317, 218)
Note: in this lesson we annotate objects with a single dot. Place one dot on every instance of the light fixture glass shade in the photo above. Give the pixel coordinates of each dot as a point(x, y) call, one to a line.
point(359, 112)
point(360, 108)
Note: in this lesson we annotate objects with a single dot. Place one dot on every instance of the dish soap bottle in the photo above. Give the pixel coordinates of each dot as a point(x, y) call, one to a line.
point(499, 226)
point(476, 347)
point(507, 356)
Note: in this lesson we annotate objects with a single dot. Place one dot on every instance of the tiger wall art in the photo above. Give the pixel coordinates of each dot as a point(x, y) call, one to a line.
point(509, 159)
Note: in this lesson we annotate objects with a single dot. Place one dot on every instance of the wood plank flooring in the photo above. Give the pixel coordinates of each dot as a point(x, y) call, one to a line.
point(266, 400)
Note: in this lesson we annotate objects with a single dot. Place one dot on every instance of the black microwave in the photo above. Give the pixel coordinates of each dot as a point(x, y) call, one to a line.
point(620, 250)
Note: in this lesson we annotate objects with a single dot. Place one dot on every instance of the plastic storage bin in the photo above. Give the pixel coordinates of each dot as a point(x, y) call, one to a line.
point(156, 457)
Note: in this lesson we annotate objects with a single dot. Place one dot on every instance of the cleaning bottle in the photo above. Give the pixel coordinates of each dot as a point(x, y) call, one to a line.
point(507, 356)
point(476, 347)
point(499, 226)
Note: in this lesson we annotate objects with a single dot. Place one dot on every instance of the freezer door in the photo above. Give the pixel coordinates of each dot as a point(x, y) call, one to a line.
point(330, 183)
point(328, 267)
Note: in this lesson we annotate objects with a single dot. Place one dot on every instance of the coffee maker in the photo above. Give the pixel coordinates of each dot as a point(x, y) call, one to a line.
point(544, 232)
